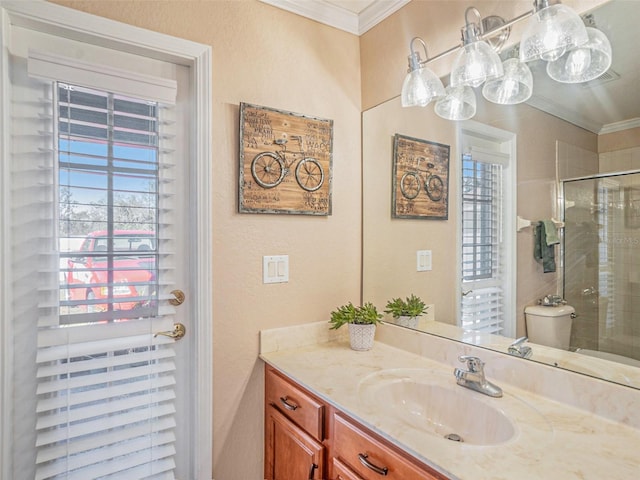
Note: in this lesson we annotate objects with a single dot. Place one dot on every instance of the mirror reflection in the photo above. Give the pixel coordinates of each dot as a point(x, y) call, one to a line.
point(565, 159)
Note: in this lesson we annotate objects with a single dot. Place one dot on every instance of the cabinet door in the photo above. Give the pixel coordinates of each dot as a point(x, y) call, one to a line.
point(290, 453)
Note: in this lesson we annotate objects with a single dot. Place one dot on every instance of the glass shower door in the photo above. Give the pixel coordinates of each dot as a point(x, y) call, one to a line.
point(601, 262)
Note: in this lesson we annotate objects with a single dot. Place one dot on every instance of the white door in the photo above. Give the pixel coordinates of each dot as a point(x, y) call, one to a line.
point(100, 245)
point(487, 237)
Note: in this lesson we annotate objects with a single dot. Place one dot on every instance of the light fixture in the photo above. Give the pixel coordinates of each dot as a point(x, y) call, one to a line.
point(555, 33)
point(476, 61)
point(586, 62)
point(421, 85)
point(459, 103)
point(515, 86)
point(551, 31)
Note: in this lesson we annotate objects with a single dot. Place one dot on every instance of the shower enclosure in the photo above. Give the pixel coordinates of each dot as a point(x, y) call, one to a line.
point(602, 262)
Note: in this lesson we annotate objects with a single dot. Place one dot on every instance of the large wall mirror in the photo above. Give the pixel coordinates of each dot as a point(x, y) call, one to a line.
point(571, 145)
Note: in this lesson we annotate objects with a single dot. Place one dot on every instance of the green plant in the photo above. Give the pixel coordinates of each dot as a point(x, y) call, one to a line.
point(413, 306)
point(365, 314)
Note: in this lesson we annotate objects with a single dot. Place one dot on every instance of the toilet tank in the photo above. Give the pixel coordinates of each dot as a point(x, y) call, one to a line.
point(550, 326)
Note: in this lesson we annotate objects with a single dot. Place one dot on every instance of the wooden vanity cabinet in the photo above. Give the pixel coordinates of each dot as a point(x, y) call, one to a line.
point(342, 472)
point(370, 457)
point(291, 453)
point(306, 439)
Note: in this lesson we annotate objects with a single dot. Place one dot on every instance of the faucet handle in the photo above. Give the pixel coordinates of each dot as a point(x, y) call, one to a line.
point(519, 350)
point(474, 364)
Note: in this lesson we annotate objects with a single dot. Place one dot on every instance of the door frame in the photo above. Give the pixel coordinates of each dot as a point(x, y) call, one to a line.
point(54, 19)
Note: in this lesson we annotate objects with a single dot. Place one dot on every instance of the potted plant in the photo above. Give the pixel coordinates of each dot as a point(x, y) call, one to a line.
point(362, 323)
point(406, 312)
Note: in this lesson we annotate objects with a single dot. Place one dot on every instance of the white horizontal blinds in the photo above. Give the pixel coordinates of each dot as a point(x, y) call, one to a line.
point(108, 150)
point(105, 385)
point(33, 257)
point(482, 260)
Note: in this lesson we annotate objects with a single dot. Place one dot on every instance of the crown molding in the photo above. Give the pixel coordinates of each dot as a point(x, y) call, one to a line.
point(564, 113)
point(334, 16)
point(619, 126)
point(377, 12)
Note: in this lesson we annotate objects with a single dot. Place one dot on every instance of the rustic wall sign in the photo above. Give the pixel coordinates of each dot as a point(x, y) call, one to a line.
point(285, 162)
point(420, 179)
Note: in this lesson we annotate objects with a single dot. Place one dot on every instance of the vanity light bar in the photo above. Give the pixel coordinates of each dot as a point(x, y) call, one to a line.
point(484, 36)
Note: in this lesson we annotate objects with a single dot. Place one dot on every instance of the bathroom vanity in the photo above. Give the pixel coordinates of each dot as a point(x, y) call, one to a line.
point(333, 413)
point(311, 439)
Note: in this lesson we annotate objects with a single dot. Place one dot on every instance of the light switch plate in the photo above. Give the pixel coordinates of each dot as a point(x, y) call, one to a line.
point(275, 269)
point(423, 260)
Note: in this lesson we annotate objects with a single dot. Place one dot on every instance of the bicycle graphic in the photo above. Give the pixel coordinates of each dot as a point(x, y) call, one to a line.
point(270, 168)
point(411, 182)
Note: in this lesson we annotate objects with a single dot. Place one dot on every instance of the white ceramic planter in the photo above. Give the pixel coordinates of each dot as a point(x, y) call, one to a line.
point(361, 336)
point(406, 321)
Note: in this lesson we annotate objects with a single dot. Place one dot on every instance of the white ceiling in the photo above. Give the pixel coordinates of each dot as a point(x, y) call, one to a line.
point(353, 16)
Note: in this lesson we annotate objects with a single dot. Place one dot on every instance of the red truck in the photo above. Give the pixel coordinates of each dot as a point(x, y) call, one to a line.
point(133, 268)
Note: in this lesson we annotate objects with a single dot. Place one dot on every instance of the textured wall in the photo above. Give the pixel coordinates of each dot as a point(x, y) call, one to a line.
point(270, 57)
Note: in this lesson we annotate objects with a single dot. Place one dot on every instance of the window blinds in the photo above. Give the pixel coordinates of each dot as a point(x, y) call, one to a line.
point(103, 385)
point(482, 260)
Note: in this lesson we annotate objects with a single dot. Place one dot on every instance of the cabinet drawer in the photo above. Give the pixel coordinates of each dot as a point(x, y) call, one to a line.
point(371, 458)
point(342, 472)
point(294, 403)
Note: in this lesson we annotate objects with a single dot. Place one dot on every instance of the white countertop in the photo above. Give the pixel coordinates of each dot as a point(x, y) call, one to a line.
point(557, 441)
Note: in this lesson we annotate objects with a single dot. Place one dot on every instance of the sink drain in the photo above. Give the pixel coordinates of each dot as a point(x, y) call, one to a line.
point(454, 437)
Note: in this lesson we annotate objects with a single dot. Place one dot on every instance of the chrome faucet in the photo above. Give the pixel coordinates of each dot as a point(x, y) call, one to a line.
point(519, 350)
point(474, 378)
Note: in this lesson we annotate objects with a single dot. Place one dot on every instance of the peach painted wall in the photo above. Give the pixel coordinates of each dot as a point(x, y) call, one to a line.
point(266, 56)
point(620, 151)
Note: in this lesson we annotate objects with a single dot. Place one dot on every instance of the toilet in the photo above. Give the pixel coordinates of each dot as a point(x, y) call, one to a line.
point(548, 325)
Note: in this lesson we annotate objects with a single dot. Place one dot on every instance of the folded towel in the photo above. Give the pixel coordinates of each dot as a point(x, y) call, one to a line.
point(542, 252)
point(551, 232)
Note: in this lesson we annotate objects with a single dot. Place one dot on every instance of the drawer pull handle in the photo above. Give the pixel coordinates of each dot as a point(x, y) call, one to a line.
point(313, 469)
point(379, 470)
point(287, 405)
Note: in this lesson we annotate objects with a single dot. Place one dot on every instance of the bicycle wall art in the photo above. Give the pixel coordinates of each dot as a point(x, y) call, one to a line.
point(285, 162)
point(420, 178)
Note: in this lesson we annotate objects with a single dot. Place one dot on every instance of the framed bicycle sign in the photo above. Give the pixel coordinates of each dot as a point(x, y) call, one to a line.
point(420, 178)
point(285, 162)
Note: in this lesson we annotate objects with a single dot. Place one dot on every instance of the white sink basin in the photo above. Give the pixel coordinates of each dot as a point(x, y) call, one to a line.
point(426, 402)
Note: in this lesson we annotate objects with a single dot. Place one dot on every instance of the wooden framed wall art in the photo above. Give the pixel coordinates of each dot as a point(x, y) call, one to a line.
point(420, 188)
point(285, 162)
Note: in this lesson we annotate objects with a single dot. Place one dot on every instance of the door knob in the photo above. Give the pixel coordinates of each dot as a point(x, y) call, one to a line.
point(177, 333)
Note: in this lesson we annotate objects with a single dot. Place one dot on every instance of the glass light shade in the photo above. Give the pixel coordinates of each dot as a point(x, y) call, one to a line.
point(420, 87)
point(475, 63)
point(550, 32)
point(515, 86)
point(584, 63)
point(459, 103)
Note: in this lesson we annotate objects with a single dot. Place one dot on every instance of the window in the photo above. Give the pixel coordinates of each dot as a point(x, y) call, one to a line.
point(480, 218)
point(108, 173)
point(486, 236)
